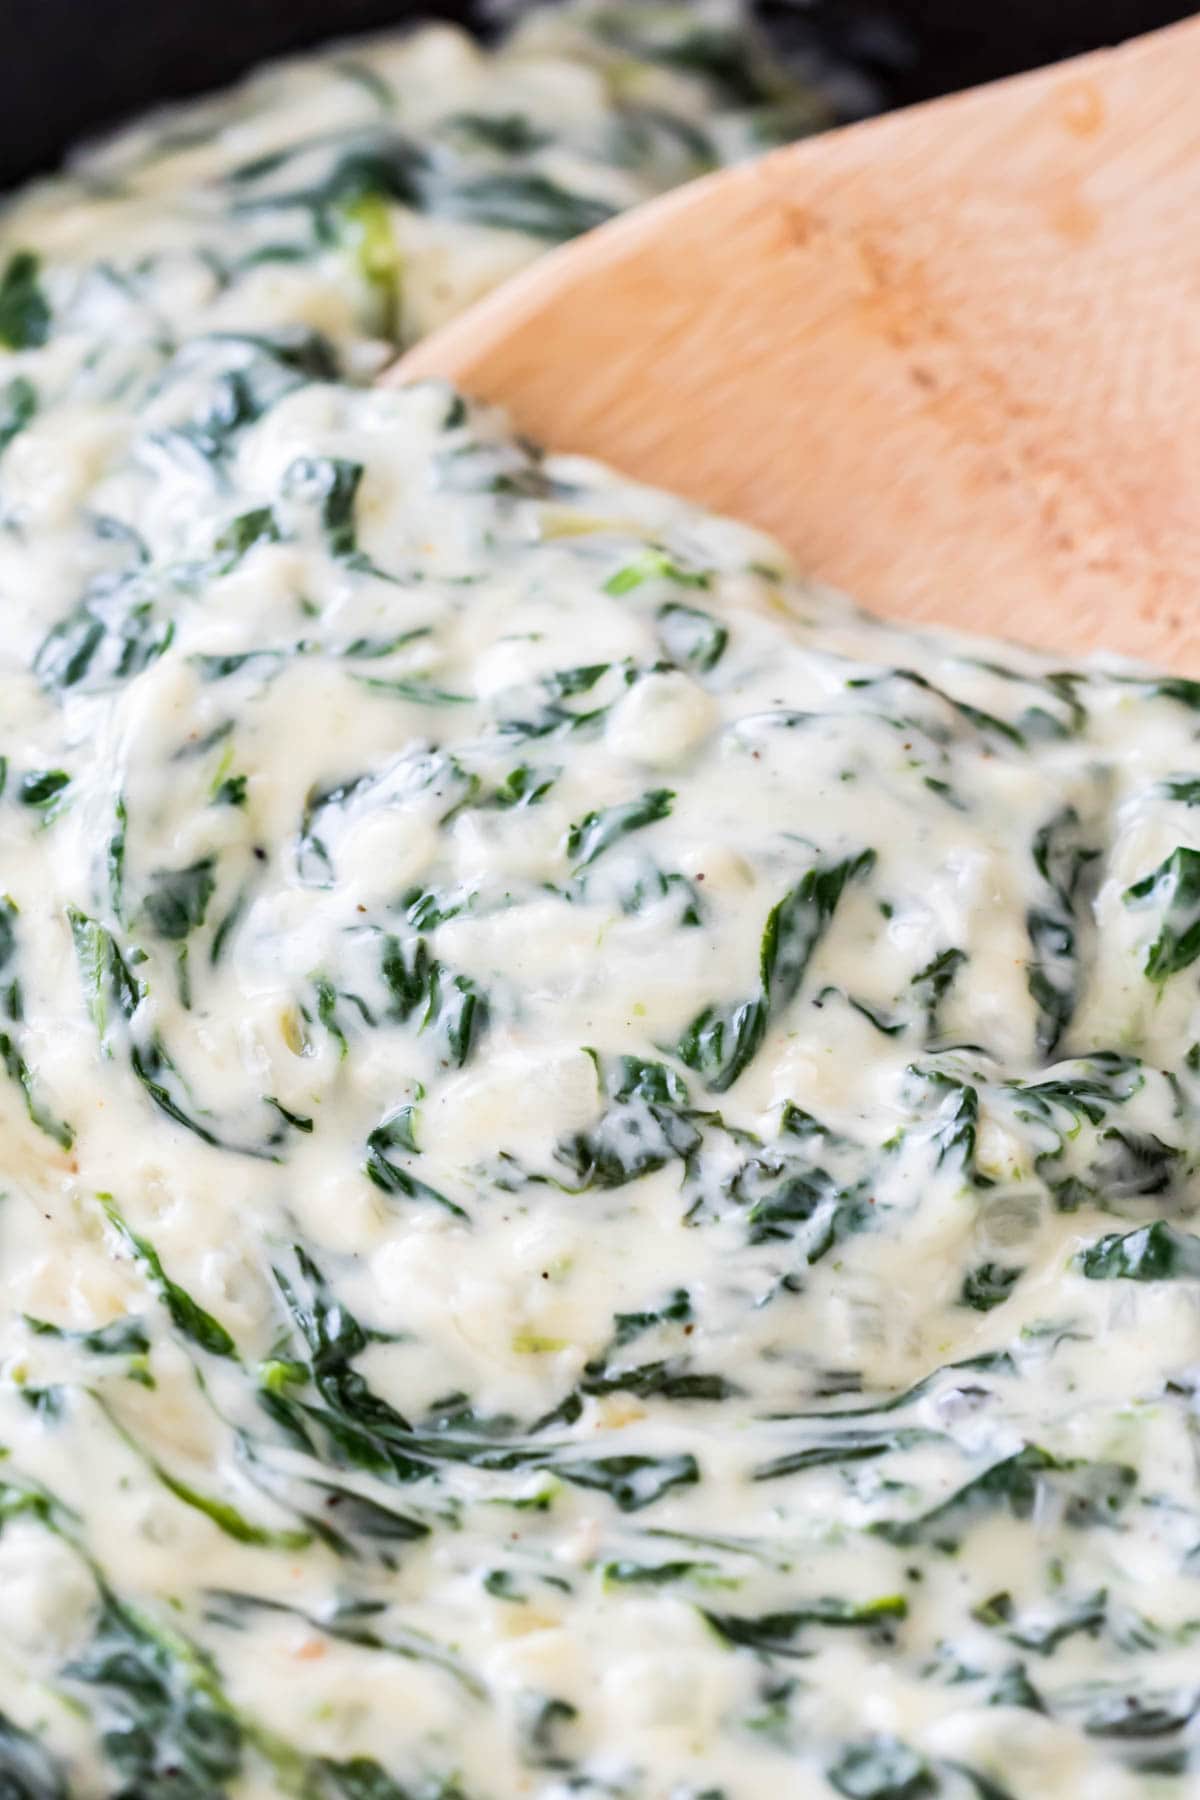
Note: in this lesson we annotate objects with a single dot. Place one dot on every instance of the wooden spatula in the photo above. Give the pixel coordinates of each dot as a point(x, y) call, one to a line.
point(950, 357)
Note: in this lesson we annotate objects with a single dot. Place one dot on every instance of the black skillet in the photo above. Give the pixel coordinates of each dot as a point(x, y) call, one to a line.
point(74, 67)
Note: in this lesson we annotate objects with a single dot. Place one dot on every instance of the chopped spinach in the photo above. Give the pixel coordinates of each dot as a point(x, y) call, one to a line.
point(598, 831)
point(18, 404)
point(1157, 1252)
point(176, 902)
point(691, 638)
point(188, 1317)
point(1173, 888)
point(24, 309)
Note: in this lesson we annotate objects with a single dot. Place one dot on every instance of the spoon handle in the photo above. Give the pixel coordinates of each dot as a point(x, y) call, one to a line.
point(951, 357)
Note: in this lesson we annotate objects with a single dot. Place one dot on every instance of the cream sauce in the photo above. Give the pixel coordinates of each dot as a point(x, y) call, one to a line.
point(598, 1149)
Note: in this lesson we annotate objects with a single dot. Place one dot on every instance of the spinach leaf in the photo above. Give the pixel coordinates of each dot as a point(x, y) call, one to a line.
point(187, 1315)
point(409, 973)
point(334, 1338)
point(359, 1778)
point(105, 973)
point(111, 635)
point(691, 638)
point(524, 786)
point(1092, 1492)
point(511, 134)
point(177, 900)
point(979, 720)
point(1131, 1716)
point(598, 831)
point(164, 1085)
point(988, 1285)
point(775, 1633)
point(452, 1003)
point(957, 1130)
point(1043, 1630)
point(44, 789)
point(348, 1521)
point(382, 162)
point(789, 1197)
point(395, 1132)
point(881, 1768)
point(125, 1336)
point(632, 1482)
point(1175, 888)
point(416, 689)
point(114, 859)
point(1156, 1252)
point(528, 202)
point(331, 485)
point(931, 984)
point(675, 1309)
point(656, 564)
point(541, 712)
point(18, 1070)
point(171, 1735)
point(721, 1041)
point(27, 1770)
point(644, 1128)
point(18, 404)
point(24, 309)
point(796, 925)
point(1014, 1688)
point(853, 1446)
point(239, 537)
point(1064, 862)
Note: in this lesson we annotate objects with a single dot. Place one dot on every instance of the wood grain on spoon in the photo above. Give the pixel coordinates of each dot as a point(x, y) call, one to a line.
point(950, 357)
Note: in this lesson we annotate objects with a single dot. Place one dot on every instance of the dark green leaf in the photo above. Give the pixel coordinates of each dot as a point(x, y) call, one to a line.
point(722, 1040)
point(126, 1336)
point(1157, 1252)
point(881, 1768)
point(19, 1071)
point(524, 786)
point(1174, 887)
point(187, 1316)
point(632, 1481)
point(796, 925)
point(1090, 1493)
point(692, 639)
point(18, 404)
point(43, 788)
point(24, 309)
point(528, 202)
point(1132, 1716)
point(389, 1176)
point(775, 1633)
point(931, 984)
point(111, 635)
point(171, 1735)
point(27, 1770)
point(988, 1285)
point(105, 973)
point(361, 1778)
point(177, 900)
point(331, 485)
point(243, 533)
point(598, 831)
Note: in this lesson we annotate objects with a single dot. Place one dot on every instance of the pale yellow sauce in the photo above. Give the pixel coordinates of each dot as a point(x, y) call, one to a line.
point(409, 782)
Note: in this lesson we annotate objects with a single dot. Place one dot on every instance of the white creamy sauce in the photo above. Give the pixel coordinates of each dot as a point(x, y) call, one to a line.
point(598, 1150)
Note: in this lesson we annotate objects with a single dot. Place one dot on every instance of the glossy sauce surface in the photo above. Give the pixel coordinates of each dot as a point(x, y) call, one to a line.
point(598, 1149)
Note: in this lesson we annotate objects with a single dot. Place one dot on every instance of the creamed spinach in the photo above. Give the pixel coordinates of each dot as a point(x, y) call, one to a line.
point(599, 1150)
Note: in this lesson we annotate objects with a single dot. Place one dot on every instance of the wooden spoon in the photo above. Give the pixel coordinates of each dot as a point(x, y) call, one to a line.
point(950, 357)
